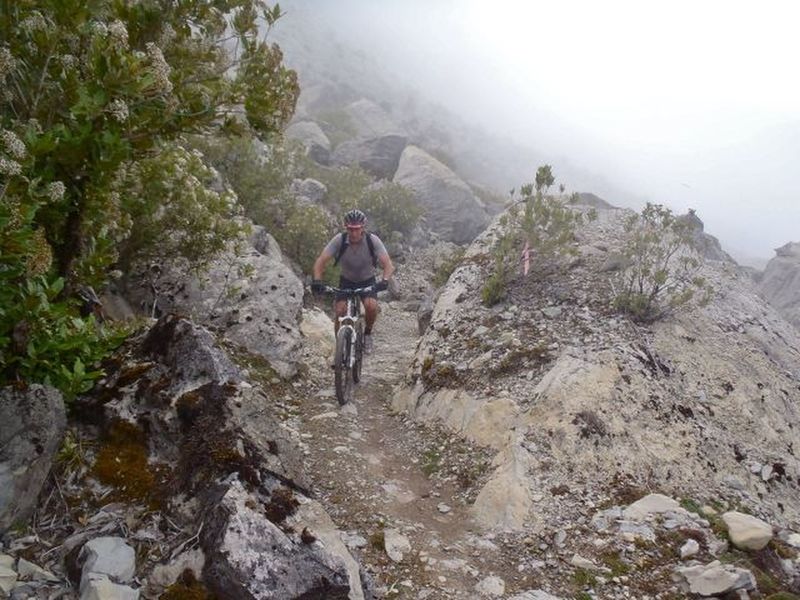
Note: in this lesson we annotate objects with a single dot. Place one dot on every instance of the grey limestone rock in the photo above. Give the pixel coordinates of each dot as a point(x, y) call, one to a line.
point(316, 143)
point(780, 282)
point(33, 422)
point(377, 156)
point(452, 210)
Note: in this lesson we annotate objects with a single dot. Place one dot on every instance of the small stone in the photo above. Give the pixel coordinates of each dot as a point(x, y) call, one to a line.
point(652, 504)
point(582, 563)
point(746, 531)
point(395, 544)
point(491, 586)
point(31, 572)
point(443, 508)
point(690, 548)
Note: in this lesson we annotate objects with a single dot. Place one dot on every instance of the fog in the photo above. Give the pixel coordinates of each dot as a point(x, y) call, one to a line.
point(689, 104)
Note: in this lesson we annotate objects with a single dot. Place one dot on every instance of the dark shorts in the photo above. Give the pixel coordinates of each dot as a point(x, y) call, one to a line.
point(349, 285)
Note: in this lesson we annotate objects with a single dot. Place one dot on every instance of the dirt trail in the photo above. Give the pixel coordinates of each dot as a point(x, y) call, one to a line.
point(377, 471)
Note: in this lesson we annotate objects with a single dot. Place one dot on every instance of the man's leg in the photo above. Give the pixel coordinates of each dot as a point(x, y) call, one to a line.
point(370, 313)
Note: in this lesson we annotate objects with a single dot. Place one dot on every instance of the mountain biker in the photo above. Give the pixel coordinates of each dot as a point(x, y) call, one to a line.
point(358, 252)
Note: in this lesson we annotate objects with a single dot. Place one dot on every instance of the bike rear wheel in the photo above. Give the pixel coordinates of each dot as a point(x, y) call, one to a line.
point(343, 374)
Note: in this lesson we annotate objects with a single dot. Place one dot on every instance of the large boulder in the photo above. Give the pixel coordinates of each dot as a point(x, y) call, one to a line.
point(314, 140)
point(780, 283)
point(237, 473)
point(452, 210)
point(377, 156)
point(370, 120)
point(33, 422)
point(251, 296)
point(249, 556)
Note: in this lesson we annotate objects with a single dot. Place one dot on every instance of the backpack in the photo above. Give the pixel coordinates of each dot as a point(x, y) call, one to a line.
point(343, 246)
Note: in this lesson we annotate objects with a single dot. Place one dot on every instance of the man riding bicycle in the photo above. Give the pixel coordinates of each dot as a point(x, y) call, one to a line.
point(358, 252)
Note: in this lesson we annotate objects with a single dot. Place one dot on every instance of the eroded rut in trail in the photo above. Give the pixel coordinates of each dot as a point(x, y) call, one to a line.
point(387, 481)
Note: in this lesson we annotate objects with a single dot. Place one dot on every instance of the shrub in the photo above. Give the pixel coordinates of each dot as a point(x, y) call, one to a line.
point(259, 173)
point(94, 98)
point(390, 207)
point(446, 268)
point(544, 227)
point(662, 272)
point(304, 232)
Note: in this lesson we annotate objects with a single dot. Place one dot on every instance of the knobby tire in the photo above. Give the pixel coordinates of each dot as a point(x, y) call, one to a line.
point(343, 375)
point(359, 350)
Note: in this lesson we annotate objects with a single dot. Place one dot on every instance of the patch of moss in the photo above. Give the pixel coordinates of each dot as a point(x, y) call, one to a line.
point(209, 449)
point(187, 587)
point(615, 563)
point(431, 462)
point(377, 540)
point(281, 505)
point(437, 376)
point(122, 462)
point(132, 373)
point(691, 505)
point(582, 578)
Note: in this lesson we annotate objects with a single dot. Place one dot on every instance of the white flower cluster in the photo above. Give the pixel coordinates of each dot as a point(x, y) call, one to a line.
point(7, 62)
point(13, 145)
point(98, 28)
point(68, 61)
point(161, 69)
point(9, 168)
point(55, 191)
point(118, 110)
point(34, 22)
point(168, 34)
point(118, 34)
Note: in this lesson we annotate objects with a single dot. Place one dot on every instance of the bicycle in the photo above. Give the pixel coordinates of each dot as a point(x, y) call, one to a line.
point(348, 358)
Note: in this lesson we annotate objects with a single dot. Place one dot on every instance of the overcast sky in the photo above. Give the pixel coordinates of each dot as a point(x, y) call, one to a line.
point(691, 104)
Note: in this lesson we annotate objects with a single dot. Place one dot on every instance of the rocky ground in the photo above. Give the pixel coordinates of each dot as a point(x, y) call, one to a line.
point(400, 495)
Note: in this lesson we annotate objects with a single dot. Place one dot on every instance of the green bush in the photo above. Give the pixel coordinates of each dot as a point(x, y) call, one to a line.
point(43, 340)
point(97, 99)
point(545, 224)
point(446, 268)
point(260, 174)
point(389, 207)
point(503, 253)
point(662, 272)
point(304, 233)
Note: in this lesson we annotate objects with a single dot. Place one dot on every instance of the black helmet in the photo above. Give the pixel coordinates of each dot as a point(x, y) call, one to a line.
point(355, 217)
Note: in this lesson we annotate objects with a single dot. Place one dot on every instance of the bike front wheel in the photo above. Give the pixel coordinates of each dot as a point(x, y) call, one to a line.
point(343, 374)
point(358, 348)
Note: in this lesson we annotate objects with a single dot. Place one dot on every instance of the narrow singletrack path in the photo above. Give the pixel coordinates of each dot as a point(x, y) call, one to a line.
point(378, 472)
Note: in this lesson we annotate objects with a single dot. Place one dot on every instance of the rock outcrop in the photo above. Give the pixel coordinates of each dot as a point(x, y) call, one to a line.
point(32, 423)
point(574, 398)
point(204, 481)
point(378, 156)
point(316, 143)
point(371, 121)
point(451, 209)
point(780, 283)
point(251, 296)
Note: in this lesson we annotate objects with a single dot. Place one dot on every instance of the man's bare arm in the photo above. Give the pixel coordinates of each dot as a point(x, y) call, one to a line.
point(320, 264)
point(387, 265)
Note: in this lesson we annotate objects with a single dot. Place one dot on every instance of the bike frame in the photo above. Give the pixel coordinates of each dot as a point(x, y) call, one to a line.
point(352, 316)
point(351, 319)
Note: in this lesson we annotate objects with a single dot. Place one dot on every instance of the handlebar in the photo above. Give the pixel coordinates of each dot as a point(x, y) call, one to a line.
point(375, 287)
point(355, 291)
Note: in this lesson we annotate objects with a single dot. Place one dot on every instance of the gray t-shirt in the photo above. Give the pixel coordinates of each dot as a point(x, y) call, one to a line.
point(356, 262)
